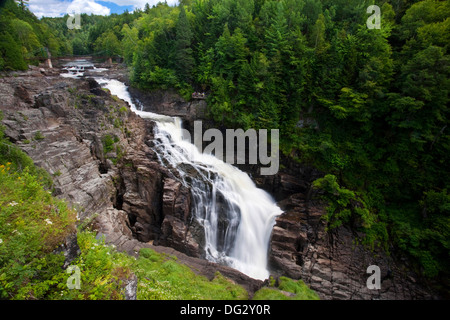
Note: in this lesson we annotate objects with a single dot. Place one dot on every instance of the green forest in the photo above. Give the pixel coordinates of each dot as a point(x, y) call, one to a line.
point(367, 107)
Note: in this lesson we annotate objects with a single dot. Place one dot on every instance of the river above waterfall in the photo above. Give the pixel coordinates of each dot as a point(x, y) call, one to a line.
point(237, 217)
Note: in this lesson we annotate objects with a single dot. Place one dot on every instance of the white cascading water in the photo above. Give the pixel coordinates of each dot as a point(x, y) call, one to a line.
point(237, 217)
point(76, 69)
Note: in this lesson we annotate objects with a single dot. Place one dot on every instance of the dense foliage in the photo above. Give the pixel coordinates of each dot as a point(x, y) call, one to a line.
point(23, 37)
point(368, 107)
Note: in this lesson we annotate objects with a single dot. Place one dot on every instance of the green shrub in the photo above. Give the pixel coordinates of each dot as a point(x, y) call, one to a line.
point(108, 143)
point(103, 272)
point(32, 225)
point(123, 110)
point(39, 136)
point(287, 289)
point(351, 208)
point(117, 123)
point(342, 203)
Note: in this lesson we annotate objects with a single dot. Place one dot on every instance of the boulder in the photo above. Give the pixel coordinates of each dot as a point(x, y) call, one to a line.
point(170, 103)
point(175, 229)
point(23, 94)
point(176, 200)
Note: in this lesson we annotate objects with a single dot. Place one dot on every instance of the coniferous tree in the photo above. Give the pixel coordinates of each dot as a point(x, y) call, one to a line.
point(23, 4)
point(147, 8)
point(184, 61)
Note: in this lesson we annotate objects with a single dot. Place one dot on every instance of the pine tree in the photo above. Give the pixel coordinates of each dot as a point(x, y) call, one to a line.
point(184, 61)
point(147, 8)
point(318, 35)
point(23, 4)
point(224, 55)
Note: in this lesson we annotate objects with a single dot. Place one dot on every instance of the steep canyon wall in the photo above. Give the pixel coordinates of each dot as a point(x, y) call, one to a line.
point(101, 158)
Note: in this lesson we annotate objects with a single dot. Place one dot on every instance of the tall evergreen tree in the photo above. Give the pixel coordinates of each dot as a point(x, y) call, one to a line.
point(147, 8)
point(23, 3)
point(184, 60)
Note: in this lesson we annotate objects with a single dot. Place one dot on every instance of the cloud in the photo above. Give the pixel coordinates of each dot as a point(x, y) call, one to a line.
point(140, 3)
point(48, 8)
point(58, 8)
point(87, 6)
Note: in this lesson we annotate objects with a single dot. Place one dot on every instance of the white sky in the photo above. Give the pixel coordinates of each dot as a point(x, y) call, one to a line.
point(58, 8)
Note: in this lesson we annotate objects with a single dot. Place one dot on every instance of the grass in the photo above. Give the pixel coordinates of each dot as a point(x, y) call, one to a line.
point(32, 225)
point(39, 136)
point(162, 278)
point(287, 289)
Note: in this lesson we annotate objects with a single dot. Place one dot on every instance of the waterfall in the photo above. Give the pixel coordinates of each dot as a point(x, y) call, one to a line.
point(237, 217)
point(76, 69)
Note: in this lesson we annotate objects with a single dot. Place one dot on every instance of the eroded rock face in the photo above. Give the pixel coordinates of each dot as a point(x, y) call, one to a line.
point(175, 230)
point(170, 103)
point(333, 263)
point(59, 138)
point(139, 194)
point(110, 173)
point(100, 158)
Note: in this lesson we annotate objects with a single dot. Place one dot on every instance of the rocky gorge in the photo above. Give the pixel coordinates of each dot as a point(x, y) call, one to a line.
point(102, 159)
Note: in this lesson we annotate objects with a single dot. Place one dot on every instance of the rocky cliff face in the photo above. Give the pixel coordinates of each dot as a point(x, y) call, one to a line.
point(335, 263)
point(101, 157)
point(169, 103)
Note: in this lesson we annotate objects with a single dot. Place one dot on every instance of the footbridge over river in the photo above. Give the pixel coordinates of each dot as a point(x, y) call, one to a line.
point(44, 55)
